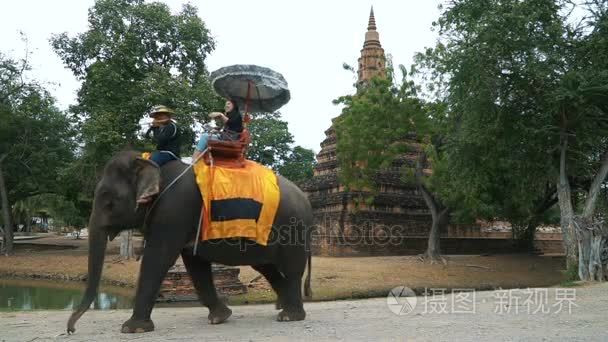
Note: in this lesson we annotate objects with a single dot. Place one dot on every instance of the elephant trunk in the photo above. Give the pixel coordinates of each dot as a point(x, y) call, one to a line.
point(98, 240)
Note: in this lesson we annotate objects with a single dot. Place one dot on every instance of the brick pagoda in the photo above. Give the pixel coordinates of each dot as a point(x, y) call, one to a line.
point(398, 211)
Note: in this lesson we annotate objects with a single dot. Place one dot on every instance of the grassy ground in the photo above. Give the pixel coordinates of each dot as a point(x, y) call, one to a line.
point(333, 278)
point(344, 278)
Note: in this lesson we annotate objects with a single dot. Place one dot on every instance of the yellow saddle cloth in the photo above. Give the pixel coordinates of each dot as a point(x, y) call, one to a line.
point(237, 202)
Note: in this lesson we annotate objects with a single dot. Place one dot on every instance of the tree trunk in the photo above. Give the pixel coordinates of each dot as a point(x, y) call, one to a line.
point(594, 189)
point(433, 248)
point(564, 196)
point(592, 234)
point(439, 214)
point(28, 223)
point(6, 213)
point(45, 223)
point(524, 235)
point(126, 244)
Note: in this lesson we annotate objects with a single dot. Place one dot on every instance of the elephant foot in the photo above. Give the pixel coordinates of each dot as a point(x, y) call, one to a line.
point(278, 305)
point(291, 315)
point(135, 326)
point(219, 314)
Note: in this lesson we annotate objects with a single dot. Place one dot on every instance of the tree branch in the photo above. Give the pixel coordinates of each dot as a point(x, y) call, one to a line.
point(433, 204)
point(594, 189)
point(550, 198)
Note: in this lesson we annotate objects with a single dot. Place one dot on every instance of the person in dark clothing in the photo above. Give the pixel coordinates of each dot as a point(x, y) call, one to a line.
point(165, 133)
point(233, 126)
point(233, 120)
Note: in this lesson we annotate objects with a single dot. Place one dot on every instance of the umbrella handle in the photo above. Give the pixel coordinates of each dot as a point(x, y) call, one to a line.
point(246, 118)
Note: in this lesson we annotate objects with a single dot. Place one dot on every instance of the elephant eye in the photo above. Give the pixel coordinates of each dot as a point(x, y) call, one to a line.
point(109, 205)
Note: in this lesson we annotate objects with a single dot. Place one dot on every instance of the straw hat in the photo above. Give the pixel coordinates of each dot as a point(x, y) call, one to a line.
point(161, 109)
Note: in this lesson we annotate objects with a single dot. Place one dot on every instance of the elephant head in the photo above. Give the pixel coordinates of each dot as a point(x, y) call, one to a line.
point(125, 178)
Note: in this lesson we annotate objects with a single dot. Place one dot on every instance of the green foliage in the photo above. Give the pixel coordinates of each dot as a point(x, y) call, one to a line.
point(373, 126)
point(36, 136)
point(299, 165)
point(271, 146)
point(570, 275)
point(134, 55)
point(495, 67)
point(518, 80)
point(270, 140)
point(36, 143)
point(63, 212)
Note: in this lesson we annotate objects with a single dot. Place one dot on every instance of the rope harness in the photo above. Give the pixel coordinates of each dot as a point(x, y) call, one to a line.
point(167, 188)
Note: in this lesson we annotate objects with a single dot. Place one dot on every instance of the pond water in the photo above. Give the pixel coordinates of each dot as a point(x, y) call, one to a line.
point(17, 295)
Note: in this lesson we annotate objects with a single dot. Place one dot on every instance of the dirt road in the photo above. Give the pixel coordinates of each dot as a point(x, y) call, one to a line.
point(493, 316)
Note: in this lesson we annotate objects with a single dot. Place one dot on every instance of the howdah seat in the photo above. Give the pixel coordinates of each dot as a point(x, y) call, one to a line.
point(228, 153)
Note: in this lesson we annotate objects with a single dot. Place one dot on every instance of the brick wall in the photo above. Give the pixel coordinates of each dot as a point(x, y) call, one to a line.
point(178, 286)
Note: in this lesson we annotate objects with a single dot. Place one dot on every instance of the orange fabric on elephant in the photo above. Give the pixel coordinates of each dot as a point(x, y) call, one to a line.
point(238, 202)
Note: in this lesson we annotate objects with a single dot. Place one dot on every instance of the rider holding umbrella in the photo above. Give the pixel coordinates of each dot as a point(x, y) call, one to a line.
point(233, 126)
point(257, 89)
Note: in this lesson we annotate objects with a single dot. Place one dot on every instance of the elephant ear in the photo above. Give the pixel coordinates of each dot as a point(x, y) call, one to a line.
point(147, 178)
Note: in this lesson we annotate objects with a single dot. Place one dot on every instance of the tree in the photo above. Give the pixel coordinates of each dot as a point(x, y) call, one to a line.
point(134, 55)
point(22, 213)
point(271, 146)
point(63, 211)
point(513, 77)
point(493, 146)
point(582, 134)
point(581, 113)
point(431, 182)
point(56, 206)
point(372, 134)
point(270, 140)
point(126, 244)
point(35, 140)
point(7, 231)
point(299, 165)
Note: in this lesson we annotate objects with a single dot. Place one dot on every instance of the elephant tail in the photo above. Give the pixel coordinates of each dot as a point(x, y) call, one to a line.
point(307, 287)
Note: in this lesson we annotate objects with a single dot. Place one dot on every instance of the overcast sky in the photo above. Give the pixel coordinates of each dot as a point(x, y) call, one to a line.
point(306, 41)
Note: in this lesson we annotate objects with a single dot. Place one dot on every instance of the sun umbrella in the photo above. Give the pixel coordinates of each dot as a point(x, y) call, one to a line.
point(254, 88)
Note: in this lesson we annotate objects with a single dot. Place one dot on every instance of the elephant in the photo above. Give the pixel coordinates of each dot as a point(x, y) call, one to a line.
point(171, 225)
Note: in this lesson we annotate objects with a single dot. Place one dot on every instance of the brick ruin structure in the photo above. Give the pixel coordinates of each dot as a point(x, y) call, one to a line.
point(177, 285)
point(397, 221)
point(342, 226)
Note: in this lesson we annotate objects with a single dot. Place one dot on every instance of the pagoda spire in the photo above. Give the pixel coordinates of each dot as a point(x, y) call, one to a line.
point(371, 26)
point(372, 61)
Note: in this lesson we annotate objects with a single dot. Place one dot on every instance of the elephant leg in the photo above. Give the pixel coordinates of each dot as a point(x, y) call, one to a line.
point(160, 253)
point(293, 307)
point(276, 280)
point(202, 278)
